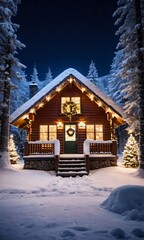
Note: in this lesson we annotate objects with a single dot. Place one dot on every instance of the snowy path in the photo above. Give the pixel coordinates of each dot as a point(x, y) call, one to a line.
point(38, 205)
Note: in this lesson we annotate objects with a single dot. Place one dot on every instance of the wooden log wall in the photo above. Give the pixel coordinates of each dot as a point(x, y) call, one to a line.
point(50, 113)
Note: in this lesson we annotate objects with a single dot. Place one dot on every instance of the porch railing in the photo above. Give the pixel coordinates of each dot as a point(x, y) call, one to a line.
point(42, 147)
point(100, 147)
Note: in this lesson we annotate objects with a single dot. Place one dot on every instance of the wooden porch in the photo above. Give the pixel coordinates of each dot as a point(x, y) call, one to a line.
point(46, 156)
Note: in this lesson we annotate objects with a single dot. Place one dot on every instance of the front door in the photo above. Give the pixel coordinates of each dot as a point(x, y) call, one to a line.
point(70, 144)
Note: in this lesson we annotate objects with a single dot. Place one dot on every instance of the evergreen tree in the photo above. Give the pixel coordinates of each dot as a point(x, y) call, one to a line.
point(34, 76)
point(92, 73)
point(131, 153)
point(8, 48)
point(49, 77)
point(20, 94)
point(14, 156)
point(130, 13)
point(115, 84)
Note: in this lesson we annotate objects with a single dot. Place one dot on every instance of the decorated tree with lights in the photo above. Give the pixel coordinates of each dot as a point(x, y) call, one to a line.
point(131, 153)
point(14, 156)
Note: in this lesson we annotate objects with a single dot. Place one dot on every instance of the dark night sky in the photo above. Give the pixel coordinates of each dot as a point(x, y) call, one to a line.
point(66, 33)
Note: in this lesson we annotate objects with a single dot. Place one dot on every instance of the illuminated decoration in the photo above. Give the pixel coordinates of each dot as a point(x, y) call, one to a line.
point(32, 110)
point(58, 89)
point(48, 98)
point(99, 104)
point(83, 89)
point(91, 97)
point(82, 125)
point(26, 116)
point(70, 109)
point(70, 79)
point(59, 125)
point(113, 136)
point(70, 131)
point(41, 105)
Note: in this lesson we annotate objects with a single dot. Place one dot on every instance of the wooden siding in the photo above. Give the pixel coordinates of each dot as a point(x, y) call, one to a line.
point(50, 113)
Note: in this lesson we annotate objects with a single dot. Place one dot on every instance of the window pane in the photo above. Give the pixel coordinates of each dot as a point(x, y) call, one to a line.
point(43, 132)
point(52, 132)
point(64, 100)
point(77, 101)
point(52, 128)
point(99, 128)
point(90, 132)
point(99, 132)
point(90, 136)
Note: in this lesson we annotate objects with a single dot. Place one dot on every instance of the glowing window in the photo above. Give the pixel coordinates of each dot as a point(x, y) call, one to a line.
point(48, 132)
point(94, 132)
point(76, 100)
point(43, 132)
point(52, 132)
point(99, 132)
point(90, 132)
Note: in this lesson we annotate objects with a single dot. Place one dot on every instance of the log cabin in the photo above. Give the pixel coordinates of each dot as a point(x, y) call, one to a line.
point(70, 126)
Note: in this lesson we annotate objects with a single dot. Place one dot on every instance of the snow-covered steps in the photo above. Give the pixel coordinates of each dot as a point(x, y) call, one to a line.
point(71, 167)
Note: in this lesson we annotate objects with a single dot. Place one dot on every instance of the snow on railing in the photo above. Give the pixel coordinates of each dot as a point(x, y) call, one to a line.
point(99, 146)
point(42, 147)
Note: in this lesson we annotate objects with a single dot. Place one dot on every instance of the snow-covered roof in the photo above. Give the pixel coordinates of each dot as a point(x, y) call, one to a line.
point(55, 83)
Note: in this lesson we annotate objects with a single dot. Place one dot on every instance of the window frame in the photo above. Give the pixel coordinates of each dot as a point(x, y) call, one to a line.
point(71, 98)
point(94, 132)
point(48, 132)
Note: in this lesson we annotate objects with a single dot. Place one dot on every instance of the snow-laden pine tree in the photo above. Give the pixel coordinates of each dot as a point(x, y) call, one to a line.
point(131, 153)
point(48, 77)
point(131, 16)
point(14, 156)
point(115, 84)
point(93, 74)
point(20, 94)
point(34, 75)
point(9, 44)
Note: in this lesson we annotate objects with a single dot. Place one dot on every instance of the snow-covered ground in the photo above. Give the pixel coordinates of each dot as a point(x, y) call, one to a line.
point(37, 205)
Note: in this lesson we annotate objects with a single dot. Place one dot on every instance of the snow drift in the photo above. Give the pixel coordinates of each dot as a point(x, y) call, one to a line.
point(128, 201)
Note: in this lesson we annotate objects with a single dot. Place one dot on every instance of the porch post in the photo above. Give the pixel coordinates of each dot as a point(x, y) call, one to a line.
point(56, 162)
point(114, 147)
point(26, 148)
point(87, 163)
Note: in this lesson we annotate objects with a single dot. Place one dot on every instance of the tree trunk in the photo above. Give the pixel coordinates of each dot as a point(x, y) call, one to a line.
point(138, 13)
point(4, 144)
